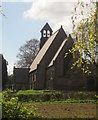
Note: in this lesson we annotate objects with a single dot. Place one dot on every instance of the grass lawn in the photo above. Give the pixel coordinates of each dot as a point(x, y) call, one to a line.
point(36, 92)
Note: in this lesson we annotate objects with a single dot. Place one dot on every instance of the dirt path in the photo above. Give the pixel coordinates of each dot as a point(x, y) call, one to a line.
point(74, 110)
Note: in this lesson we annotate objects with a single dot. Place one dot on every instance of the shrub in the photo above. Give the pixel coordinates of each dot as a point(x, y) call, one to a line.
point(13, 109)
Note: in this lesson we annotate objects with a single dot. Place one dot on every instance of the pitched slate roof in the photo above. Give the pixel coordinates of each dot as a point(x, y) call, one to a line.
point(68, 42)
point(43, 51)
point(57, 53)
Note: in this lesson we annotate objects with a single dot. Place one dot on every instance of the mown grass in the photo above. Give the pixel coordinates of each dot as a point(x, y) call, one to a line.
point(52, 91)
point(35, 92)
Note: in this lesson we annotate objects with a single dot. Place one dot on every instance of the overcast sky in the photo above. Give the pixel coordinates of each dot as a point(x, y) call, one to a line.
point(24, 20)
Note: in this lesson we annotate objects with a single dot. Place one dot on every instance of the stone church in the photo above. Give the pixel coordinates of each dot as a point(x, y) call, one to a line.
point(50, 69)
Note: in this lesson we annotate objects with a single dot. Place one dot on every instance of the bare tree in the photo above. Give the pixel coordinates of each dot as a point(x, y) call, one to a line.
point(27, 53)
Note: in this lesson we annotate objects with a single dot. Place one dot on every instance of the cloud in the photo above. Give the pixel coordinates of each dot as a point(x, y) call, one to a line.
point(33, 0)
point(42, 0)
point(17, 0)
point(56, 12)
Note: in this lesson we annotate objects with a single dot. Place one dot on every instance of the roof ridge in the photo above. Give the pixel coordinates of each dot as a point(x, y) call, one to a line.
point(42, 52)
point(58, 30)
point(58, 52)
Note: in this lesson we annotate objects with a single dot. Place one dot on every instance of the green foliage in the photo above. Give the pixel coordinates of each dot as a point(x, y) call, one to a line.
point(52, 96)
point(86, 34)
point(13, 109)
point(96, 98)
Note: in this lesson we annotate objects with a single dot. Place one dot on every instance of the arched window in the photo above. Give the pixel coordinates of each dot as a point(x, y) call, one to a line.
point(44, 33)
point(48, 33)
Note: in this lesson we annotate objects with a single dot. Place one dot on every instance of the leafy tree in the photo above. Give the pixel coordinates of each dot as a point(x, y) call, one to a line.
point(27, 53)
point(86, 36)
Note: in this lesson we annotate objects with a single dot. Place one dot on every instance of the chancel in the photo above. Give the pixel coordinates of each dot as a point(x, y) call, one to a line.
point(50, 70)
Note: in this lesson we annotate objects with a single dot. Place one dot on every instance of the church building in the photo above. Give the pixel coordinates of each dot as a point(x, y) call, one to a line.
point(50, 69)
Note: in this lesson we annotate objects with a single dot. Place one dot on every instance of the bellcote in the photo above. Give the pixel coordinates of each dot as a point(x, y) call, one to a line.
point(46, 32)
